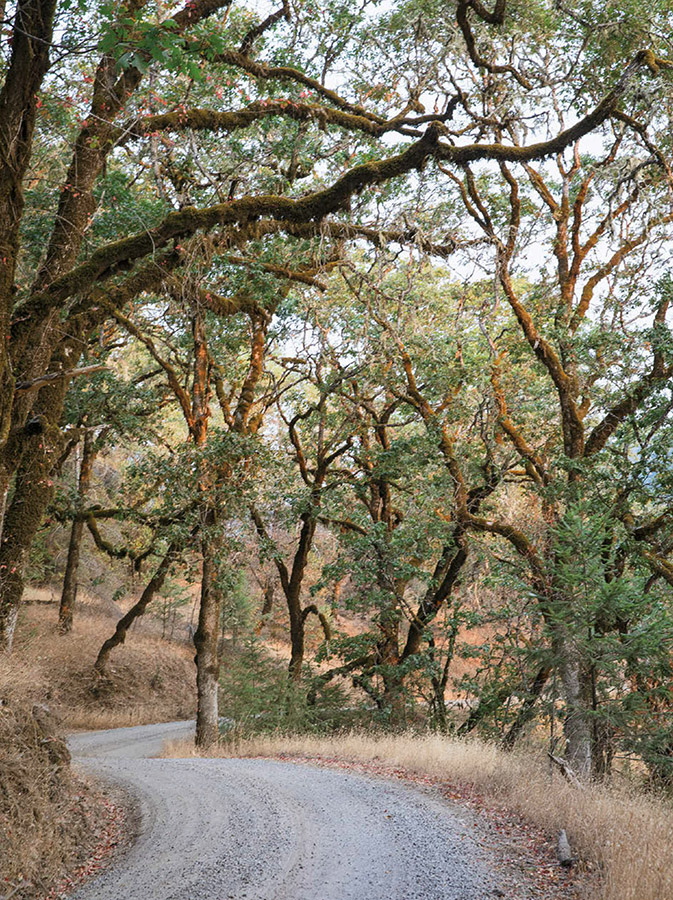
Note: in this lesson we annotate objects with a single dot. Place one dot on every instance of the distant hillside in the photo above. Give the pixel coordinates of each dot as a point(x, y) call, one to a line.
point(150, 679)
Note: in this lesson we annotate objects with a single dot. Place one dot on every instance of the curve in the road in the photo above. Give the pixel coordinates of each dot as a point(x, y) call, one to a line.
point(235, 829)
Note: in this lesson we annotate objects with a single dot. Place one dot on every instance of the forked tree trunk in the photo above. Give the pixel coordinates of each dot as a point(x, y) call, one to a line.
point(291, 583)
point(526, 712)
point(69, 592)
point(446, 575)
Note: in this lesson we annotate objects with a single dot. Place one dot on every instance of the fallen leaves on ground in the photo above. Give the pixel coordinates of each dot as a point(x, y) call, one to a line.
point(525, 854)
point(108, 820)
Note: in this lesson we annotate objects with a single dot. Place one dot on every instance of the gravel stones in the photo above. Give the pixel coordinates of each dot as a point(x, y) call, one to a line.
point(251, 829)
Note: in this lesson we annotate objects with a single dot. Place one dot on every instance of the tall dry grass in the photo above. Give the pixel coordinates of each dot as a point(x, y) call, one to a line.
point(150, 680)
point(627, 834)
point(46, 817)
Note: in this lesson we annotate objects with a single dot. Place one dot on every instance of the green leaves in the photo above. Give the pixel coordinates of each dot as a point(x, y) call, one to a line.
point(136, 43)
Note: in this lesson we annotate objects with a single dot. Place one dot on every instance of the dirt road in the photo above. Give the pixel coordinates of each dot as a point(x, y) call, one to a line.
point(240, 829)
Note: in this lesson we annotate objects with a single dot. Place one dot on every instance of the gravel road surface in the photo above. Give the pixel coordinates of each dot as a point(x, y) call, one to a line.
point(240, 829)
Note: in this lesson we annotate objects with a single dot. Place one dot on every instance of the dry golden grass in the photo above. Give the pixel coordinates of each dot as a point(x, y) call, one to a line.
point(45, 820)
point(628, 835)
point(150, 680)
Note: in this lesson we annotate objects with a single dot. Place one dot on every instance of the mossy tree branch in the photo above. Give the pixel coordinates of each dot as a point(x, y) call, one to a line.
point(316, 205)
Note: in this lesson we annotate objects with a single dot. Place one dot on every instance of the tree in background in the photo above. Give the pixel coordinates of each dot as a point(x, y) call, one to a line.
point(212, 158)
point(198, 63)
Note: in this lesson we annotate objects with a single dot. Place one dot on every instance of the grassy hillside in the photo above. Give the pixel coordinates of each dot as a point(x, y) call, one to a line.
point(51, 821)
point(151, 680)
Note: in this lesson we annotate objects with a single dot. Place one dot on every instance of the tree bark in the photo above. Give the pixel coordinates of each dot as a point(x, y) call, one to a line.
point(30, 44)
point(33, 457)
point(297, 637)
point(153, 587)
point(66, 609)
point(207, 635)
point(207, 656)
point(447, 571)
point(576, 727)
point(32, 492)
point(291, 582)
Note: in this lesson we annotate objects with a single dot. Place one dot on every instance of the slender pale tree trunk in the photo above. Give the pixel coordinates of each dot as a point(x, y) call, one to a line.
point(577, 726)
point(69, 592)
point(207, 655)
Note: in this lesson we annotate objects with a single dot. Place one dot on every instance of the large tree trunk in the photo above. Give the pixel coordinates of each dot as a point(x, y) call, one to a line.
point(33, 458)
point(69, 592)
point(31, 41)
point(153, 587)
point(32, 492)
point(206, 641)
point(39, 341)
point(297, 638)
point(577, 697)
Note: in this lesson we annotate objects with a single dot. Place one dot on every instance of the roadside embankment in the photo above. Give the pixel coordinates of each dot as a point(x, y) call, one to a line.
point(54, 826)
point(50, 822)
